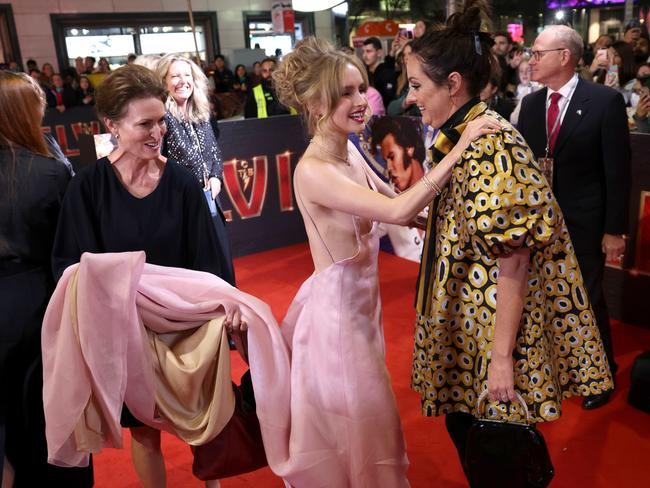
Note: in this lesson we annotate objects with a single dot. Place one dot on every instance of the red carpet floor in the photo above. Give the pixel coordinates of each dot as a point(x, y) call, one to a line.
point(608, 447)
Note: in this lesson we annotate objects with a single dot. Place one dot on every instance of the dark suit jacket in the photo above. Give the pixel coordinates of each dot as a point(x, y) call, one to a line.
point(69, 97)
point(384, 79)
point(591, 173)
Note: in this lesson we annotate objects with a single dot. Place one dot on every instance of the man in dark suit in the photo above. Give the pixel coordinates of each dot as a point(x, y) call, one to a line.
point(583, 127)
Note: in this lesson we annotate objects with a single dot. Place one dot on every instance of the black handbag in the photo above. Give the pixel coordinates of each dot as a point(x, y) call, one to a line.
point(506, 454)
point(238, 448)
point(639, 395)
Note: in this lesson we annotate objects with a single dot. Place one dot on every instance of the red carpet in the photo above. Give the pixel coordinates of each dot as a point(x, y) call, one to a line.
point(608, 447)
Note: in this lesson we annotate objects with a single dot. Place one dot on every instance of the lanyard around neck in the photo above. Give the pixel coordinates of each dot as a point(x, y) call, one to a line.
point(556, 126)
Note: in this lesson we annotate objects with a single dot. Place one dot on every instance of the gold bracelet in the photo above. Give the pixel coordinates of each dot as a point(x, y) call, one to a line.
point(427, 184)
point(431, 185)
point(435, 185)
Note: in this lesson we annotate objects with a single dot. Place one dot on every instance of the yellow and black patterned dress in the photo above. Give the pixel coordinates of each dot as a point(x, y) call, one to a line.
point(496, 201)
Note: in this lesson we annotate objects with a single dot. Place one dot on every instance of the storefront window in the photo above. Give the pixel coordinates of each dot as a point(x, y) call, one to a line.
point(261, 33)
point(114, 44)
point(171, 39)
point(116, 36)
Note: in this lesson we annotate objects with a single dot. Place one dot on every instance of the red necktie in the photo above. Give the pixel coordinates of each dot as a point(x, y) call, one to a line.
point(551, 118)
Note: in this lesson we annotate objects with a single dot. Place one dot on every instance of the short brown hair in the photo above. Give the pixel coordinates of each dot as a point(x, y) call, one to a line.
point(125, 84)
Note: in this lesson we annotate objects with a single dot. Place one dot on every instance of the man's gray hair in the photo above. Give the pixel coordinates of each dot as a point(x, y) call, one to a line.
point(568, 38)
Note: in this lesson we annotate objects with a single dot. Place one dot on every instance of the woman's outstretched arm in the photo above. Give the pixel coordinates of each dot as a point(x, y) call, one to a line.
point(323, 184)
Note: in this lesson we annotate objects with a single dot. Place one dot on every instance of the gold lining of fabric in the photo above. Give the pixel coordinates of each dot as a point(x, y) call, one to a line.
point(193, 381)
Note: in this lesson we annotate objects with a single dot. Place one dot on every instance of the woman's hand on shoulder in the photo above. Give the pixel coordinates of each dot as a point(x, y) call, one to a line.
point(477, 128)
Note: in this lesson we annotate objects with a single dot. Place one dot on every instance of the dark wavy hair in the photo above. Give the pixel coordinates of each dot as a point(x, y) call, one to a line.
point(459, 46)
point(406, 131)
point(627, 68)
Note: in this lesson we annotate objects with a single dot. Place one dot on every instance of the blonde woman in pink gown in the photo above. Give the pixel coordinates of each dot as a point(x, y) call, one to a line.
point(345, 429)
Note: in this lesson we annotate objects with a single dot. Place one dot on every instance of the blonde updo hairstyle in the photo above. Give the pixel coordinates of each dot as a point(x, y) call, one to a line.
point(198, 105)
point(311, 76)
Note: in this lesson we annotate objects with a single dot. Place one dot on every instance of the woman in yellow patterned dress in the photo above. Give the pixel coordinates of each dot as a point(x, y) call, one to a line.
point(495, 231)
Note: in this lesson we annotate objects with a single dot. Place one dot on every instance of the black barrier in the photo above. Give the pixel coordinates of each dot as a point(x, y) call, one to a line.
point(259, 158)
point(68, 126)
point(627, 285)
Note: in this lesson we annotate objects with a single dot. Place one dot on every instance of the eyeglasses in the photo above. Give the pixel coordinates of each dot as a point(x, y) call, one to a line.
point(537, 55)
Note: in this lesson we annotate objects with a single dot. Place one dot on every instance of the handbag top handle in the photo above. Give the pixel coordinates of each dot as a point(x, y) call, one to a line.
point(520, 399)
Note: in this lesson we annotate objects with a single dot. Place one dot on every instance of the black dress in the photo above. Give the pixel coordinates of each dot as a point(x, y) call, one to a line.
point(30, 200)
point(172, 224)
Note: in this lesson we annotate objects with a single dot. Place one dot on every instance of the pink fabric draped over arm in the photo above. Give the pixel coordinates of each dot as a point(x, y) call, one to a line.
point(105, 359)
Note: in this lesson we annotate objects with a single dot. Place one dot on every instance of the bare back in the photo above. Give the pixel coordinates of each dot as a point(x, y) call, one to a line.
point(332, 234)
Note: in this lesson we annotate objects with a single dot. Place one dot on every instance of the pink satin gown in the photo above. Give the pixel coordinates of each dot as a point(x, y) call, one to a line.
point(345, 427)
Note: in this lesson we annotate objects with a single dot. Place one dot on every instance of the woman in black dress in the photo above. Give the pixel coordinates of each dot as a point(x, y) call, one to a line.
point(190, 139)
point(32, 184)
point(135, 199)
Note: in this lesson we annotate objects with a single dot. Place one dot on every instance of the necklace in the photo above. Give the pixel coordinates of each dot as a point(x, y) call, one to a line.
point(330, 153)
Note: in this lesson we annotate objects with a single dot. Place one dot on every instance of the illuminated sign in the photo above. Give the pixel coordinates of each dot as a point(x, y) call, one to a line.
point(516, 31)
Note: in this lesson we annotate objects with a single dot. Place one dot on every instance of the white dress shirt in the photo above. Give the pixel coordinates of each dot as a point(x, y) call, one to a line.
point(567, 92)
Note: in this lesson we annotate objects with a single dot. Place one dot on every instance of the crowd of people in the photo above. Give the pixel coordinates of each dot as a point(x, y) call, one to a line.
point(509, 296)
point(621, 64)
point(230, 93)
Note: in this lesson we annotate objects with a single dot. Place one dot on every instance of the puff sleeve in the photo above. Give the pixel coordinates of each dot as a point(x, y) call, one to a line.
point(502, 199)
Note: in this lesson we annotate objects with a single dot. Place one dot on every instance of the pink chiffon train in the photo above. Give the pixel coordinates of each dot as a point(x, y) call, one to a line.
point(345, 427)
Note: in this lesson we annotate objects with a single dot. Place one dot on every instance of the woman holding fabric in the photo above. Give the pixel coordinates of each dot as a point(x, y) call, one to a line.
point(32, 184)
point(501, 304)
point(344, 427)
point(190, 139)
point(135, 199)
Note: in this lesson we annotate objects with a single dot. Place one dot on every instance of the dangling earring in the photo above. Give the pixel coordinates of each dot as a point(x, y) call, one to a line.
point(451, 97)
